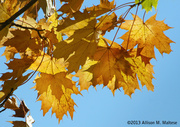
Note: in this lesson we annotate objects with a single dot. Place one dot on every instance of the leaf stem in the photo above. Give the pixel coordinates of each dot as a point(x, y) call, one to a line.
point(131, 28)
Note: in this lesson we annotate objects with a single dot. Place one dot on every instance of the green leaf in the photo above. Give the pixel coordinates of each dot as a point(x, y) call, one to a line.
point(148, 4)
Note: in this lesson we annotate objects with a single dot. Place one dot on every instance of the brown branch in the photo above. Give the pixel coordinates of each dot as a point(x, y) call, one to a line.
point(8, 21)
point(24, 27)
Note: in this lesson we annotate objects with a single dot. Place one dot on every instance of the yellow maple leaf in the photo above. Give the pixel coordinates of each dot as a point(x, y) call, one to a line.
point(55, 91)
point(82, 20)
point(81, 43)
point(146, 35)
point(48, 65)
point(103, 7)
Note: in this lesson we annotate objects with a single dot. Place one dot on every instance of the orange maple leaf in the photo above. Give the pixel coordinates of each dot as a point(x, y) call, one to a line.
point(146, 35)
point(55, 91)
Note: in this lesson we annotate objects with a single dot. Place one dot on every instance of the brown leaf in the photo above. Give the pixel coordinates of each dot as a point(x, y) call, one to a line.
point(22, 40)
point(11, 103)
point(21, 111)
point(19, 123)
point(10, 85)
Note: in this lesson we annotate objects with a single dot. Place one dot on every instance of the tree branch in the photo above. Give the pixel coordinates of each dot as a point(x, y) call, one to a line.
point(8, 21)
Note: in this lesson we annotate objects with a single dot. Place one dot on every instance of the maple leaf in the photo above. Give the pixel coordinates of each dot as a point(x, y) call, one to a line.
point(81, 43)
point(55, 91)
point(107, 23)
point(103, 7)
point(21, 111)
point(72, 6)
point(9, 53)
point(146, 36)
point(11, 103)
point(82, 20)
point(18, 66)
point(48, 65)
point(148, 4)
point(22, 40)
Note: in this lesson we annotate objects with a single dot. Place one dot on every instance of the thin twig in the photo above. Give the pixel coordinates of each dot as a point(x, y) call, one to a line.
point(25, 27)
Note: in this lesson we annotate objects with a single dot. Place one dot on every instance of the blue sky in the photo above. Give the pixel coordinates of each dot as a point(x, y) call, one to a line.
point(99, 108)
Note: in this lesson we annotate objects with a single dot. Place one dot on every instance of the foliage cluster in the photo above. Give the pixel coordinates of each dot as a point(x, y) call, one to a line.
point(69, 43)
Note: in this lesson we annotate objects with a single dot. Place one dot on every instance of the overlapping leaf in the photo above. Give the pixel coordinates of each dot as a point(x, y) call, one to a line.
point(114, 67)
point(82, 41)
